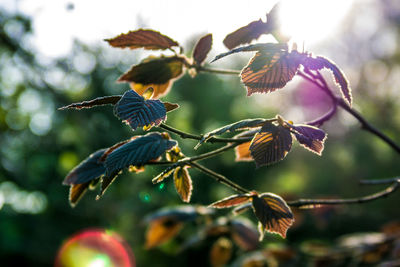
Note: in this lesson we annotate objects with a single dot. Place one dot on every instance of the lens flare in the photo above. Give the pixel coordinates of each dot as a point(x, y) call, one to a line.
point(95, 248)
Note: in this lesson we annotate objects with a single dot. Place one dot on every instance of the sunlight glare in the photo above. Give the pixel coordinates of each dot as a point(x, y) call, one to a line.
point(311, 21)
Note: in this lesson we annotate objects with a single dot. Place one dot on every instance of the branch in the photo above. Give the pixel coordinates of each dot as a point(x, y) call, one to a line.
point(220, 178)
point(310, 202)
point(218, 71)
point(199, 137)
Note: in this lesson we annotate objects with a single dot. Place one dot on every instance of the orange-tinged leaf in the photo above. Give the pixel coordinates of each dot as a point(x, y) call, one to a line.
point(162, 176)
point(231, 201)
point(202, 48)
point(160, 90)
point(147, 39)
point(161, 230)
point(76, 192)
point(242, 152)
point(268, 71)
point(271, 144)
point(273, 213)
point(183, 183)
point(221, 252)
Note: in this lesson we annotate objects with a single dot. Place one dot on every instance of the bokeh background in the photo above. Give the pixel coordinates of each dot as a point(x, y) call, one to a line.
point(52, 54)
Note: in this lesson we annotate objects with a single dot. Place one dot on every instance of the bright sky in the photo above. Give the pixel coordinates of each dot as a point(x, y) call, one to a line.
point(56, 24)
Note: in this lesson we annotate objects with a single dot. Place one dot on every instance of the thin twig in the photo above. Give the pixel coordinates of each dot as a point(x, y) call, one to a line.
point(208, 154)
point(220, 178)
point(307, 202)
point(380, 181)
point(218, 71)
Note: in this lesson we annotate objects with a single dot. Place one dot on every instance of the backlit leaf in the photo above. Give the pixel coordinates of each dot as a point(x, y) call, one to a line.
point(310, 137)
point(112, 148)
point(154, 72)
point(240, 125)
point(170, 106)
point(178, 213)
point(162, 176)
point(273, 213)
point(202, 48)
point(183, 183)
point(246, 34)
point(147, 39)
point(242, 152)
point(268, 71)
point(221, 252)
point(137, 152)
point(318, 63)
point(231, 201)
point(76, 191)
point(100, 101)
point(271, 144)
point(161, 230)
point(87, 170)
point(106, 181)
point(135, 111)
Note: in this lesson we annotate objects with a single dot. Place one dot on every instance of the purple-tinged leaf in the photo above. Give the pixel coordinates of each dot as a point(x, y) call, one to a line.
point(310, 137)
point(137, 152)
point(246, 34)
point(245, 234)
point(202, 48)
point(135, 111)
point(100, 101)
point(87, 170)
point(273, 213)
point(271, 144)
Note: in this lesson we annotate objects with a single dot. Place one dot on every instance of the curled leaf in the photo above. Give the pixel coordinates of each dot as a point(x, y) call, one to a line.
point(87, 170)
point(273, 213)
point(183, 183)
point(310, 137)
point(135, 111)
point(147, 39)
point(155, 72)
point(100, 101)
point(170, 106)
point(271, 144)
point(76, 192)
point(162, 176)
point(240, 125)
point(137, 152)
point(106, 181)
point(202, 48)
point(231, 201)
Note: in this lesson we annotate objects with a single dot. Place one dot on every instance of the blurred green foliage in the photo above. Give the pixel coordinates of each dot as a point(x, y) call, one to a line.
point(39, 145)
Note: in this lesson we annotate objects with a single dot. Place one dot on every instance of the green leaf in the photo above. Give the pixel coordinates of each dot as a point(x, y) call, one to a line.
point(273, 213)
point(147, 39)
point(271, 144)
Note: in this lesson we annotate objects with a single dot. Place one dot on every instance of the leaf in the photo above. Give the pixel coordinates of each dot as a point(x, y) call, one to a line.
point(273, 213)
point(170, 106)
point(99, 101)
point(106, 181)
point(244, 234)
point(240, 125)
point(310, 137)
point(183, 183)
point(242, 152)
point(263, 47)
point(221, 252)
point(112, 148)
point(162, 230)
point(268, 71)
point(202, 48)
point(179, 213)
point(246, 34)
point(318, 63)
point(155, 72)
point(271, 144)
point(88, 170)
point(162, 176)
point(147, 39)
point(135, 111)
point(137, 152)
point(76, 192)
point(231, 201)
